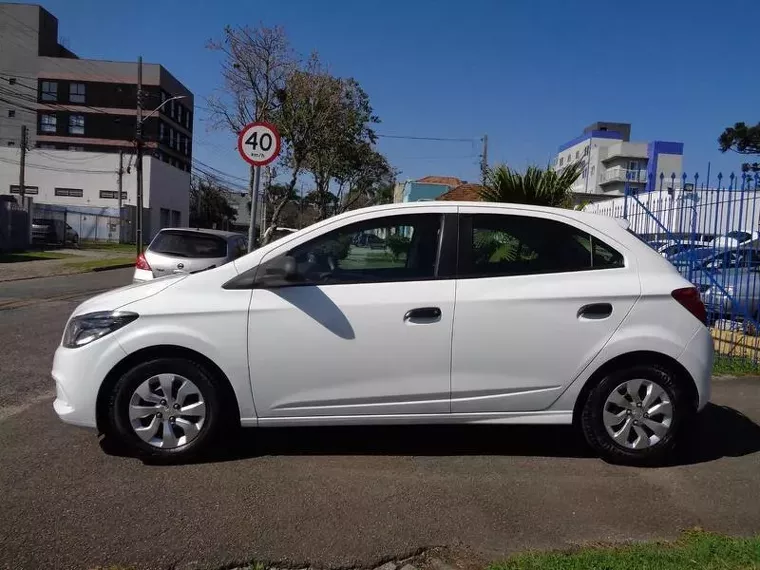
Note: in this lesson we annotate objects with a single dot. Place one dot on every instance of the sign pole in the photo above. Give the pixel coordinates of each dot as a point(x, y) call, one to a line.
point(254, 207)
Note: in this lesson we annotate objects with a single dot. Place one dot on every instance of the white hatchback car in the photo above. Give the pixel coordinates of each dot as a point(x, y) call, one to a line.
point(456, 313)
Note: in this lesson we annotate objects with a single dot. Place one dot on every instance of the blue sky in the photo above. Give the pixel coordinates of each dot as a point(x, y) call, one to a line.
point(529, 73)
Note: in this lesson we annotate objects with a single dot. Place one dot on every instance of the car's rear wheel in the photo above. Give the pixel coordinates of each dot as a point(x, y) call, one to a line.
point(635, 415)
point(167, 408)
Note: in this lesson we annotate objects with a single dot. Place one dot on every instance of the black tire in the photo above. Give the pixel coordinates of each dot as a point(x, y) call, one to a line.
point(595, 432)
point(119, 425)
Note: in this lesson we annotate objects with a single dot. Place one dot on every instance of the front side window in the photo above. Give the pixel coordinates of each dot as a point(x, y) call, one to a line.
point(48, 123)
point(76, 92)
point(398, 248)
point(49, 91)
point(503, 245)
point(76, 124)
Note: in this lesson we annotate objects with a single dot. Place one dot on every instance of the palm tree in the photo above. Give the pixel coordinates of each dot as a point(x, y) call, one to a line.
point(542, 187)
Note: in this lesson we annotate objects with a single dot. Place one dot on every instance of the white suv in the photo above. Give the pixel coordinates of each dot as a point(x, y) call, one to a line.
point(450, 312)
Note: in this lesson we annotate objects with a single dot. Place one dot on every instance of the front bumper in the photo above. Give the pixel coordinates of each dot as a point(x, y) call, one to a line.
point(78, 375)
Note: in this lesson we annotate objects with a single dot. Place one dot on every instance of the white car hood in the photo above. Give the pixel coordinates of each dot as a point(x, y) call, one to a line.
point(112, 300)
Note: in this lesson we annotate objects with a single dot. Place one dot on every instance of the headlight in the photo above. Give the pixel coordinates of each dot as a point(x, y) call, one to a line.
point(83, 329)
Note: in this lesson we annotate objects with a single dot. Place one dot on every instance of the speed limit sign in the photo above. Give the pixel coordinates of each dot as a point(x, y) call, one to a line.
point(259, 143)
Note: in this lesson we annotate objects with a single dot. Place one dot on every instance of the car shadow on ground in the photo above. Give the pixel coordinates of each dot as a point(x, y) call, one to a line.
point(719, 431)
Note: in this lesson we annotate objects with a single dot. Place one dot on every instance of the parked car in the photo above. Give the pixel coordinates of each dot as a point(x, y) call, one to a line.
point(493, 313)
point(50, 231)
point(671, 249)
point(186, 250)
point(734, 239)
point(275, 233)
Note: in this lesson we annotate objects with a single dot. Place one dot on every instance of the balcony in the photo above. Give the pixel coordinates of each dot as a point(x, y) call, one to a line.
point(619, 174)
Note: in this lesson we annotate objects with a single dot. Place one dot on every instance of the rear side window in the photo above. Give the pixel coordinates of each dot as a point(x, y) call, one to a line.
point(501, 245)
point(188, 244)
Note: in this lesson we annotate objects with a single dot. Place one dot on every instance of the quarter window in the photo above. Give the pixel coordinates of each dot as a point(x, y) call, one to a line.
point(503, 245)
point(76, 92)
point(49, 91)
point(398, 248)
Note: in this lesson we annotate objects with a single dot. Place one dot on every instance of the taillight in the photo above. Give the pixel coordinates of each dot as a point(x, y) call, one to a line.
point(142, 263)
point(689, 298)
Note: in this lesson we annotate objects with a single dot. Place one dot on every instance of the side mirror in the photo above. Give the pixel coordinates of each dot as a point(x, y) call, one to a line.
point(279, 272)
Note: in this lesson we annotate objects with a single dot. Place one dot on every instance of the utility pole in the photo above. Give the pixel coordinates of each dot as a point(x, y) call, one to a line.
point(22, 168)
point(265, 198)
point(484, 160)
point(120, 175)
point(139, 163)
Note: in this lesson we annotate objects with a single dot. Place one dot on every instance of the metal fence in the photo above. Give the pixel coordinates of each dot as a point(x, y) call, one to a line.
point(74, 224)
point(710, 233)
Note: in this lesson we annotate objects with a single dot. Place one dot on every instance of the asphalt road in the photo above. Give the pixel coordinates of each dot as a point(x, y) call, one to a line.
point(340, 496)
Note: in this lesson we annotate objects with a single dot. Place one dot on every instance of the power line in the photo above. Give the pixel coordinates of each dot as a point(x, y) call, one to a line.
point(413, 138)
point(53, 169)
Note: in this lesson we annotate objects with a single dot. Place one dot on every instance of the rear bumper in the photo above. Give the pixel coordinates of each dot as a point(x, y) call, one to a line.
point(697, 358)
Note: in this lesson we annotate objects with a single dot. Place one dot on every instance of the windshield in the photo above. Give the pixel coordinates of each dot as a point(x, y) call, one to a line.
point(188, 244)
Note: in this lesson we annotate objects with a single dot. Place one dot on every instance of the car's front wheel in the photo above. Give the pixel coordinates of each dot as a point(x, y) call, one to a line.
point(167, 408)
point(634, 415)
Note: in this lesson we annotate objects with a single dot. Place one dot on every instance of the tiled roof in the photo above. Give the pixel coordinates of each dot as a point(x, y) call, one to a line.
point(447, 180)
point(463, 193)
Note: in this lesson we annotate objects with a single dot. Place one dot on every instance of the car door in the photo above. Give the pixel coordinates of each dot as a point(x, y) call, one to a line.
point(361, 329)
point(538, 296)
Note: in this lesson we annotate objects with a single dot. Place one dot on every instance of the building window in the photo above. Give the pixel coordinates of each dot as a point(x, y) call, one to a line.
point(76, 124)
point(46, 146)
point(11, 113)
point(16, 189)
point(176, 218)
point(161, 132)
point(69, 192)
point(165, 219)
point(187, 145)
point(12, 81)
point(577, 154)
point(561, 160)
point(76, 92)
point(585, 173)
point(592, 170)
point(48, 124)
point(11, 143)
point(187, 119)
point(50, 91)
point(112, 194)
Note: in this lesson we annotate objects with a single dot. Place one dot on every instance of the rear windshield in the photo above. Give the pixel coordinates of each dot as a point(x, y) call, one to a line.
point(188, 244)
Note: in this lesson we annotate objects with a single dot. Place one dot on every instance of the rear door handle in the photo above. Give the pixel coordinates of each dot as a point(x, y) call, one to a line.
point(423, 314)
point(595, 311)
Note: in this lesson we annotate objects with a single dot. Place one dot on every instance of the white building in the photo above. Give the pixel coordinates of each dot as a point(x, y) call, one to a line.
point(84, 186)
point(611, 161)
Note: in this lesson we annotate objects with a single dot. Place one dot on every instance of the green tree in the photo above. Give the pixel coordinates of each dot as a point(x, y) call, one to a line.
point(542, 187)
point(744, 140)
point(209, 207)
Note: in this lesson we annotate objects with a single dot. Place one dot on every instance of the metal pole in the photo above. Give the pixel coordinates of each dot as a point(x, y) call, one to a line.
point(265, 197)
point(118, 187)
point(254, 195)
point(139, 164)
point(484, 162)
point(22, 168)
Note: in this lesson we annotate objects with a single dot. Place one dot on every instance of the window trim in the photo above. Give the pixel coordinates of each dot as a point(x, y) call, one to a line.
point(76, 118)
point(49, 96)
point(54, 123)
point(446, 250)
point(464, 259)
point(28, 190)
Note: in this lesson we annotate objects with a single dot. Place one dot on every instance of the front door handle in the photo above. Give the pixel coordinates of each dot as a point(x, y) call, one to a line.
point(423, 314)
point(595, 311)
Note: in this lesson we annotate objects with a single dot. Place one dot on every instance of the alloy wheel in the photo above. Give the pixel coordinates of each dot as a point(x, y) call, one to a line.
point(638, 414)
point(167, 411)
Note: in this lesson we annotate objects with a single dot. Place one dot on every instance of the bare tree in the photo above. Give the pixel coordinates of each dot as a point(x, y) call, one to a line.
point(256, 62)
